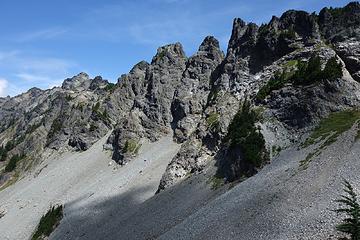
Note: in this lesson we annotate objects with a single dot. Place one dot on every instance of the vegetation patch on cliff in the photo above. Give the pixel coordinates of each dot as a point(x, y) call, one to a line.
point(131, 146)
point(48, 223)
point(212, 120)
point(307, 73)
point(245, 146)
point(331, 127)
point(328, 131)
point(13, 162)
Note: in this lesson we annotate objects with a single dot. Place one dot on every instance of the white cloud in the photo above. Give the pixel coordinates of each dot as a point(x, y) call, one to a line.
point(42, 34)
point(3, 87)
point(26, 71)
point(32, 77)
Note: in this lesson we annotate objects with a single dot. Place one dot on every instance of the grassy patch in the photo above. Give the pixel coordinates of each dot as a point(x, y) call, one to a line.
point(162, 54)
point(328, 130)
point(216, 182)
point(275, 83)
point(13, 162)
point(305, 163)
point(48, 223)
point(131, 146)
point(10, 182)
point(56, 126)
point(290, 64)
point(104, 116)
point(332, 126)
point(212, 120)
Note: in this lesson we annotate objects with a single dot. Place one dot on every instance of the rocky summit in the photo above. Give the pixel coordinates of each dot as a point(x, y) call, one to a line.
point(253, 143)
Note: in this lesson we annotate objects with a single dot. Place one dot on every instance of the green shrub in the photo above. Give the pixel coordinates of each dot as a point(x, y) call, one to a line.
point(80, 106)
point(131, 146)
point(332, 70)
point(275, 83)
point(68, 98)
point(96, 107)
point(13, 162)
point(9, 145)
point(162, 54)
point(276, 150)
point(93, 127)
point(110, 87)
point(32, 128)
point(350, 207)
point(288, 34)
point(3, 154)
point(56, 126)
point(212, 120)
point(310, 72)
point(48, 222)
point(243, 134)
point(104, 116)
point(216, 182)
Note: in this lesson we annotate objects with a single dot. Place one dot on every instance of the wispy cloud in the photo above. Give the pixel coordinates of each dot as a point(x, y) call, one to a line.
point(43, 34)
point(3, 87)
point(26, 71)
point(32, 77)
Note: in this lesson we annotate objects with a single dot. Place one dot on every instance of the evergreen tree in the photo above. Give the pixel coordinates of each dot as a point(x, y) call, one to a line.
point(332, 69)
point(313, 70)
point(350, 207)
point(243, 134)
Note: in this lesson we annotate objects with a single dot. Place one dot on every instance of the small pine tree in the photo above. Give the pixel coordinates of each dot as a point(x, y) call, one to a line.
point(313, 70)
point(350, 207)
point(243, 134)
point(332, 69)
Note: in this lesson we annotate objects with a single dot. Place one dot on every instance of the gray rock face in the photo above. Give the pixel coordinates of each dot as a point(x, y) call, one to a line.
point(79, 82)
point(254, 54)
point(149, 101)
point(190, 97)
point(71, 117)
point(338, 24)
point(302, 107)
point(349, 51)
point(167, 95)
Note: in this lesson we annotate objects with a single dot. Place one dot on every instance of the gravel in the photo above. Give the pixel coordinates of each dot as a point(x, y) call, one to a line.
point(80, 181)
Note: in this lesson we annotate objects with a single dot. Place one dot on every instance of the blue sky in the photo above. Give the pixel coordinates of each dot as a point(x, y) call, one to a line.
point(43, 42)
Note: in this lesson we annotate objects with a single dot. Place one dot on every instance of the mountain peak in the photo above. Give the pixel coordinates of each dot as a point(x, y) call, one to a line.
point(169, 51)
point(78, 82)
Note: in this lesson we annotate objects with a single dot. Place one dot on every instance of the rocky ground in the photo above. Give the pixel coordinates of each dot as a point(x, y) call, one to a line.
point(88, 183)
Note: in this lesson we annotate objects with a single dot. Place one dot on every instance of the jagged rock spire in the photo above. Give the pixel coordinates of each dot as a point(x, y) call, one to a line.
point(79, 81)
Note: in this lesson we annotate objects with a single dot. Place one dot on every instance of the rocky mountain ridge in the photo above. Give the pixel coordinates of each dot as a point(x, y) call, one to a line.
point(194, 98)
point(177, 94)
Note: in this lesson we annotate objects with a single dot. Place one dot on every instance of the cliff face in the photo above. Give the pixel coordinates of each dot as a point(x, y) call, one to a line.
point(255, 54)
point(195, 98)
